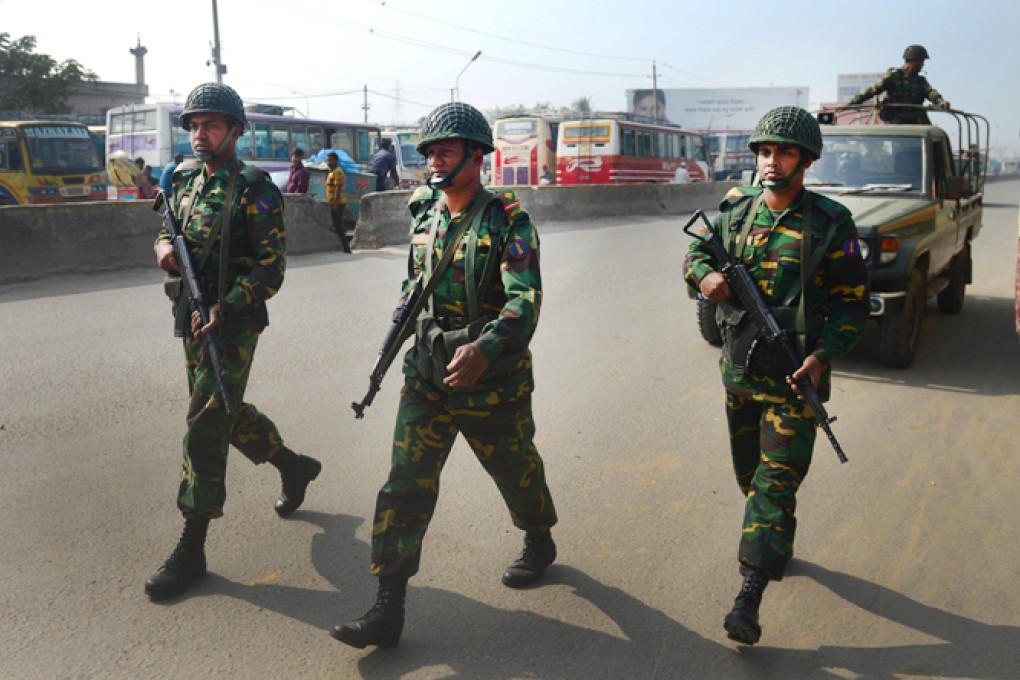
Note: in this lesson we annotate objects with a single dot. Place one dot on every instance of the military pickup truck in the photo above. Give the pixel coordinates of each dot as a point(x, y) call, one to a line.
point(915, 192)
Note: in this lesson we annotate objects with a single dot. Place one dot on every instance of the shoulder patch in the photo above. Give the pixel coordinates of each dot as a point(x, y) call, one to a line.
point(264, 205)
point(852, 247)
point(517, 249)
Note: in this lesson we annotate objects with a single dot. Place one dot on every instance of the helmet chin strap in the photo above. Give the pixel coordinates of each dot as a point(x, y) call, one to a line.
point(784, 183)
point(446, 181)
point(215, 153)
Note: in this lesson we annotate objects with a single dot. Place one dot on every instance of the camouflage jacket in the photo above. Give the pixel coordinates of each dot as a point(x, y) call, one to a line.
point(840, 291)
point(902, 88)
point(514, 297)
point(257, 239)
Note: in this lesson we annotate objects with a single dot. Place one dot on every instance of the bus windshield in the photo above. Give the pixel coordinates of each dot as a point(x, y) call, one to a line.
point(60, 150)
point(409, 152)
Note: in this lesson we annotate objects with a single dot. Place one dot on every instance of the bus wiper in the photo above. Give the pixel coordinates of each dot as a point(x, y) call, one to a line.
point(867, 188)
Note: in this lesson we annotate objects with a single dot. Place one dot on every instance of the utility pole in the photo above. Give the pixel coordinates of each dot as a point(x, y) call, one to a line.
point(215, 61)
point(366, 105)
point(655, 95)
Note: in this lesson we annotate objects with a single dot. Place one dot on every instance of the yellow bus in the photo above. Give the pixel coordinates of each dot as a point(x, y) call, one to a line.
point(48, 162)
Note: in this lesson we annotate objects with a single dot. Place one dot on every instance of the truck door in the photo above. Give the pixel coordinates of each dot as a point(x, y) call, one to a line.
point(947, 226)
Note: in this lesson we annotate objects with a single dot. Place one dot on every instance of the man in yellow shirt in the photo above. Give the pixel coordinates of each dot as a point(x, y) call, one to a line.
point(335, 197)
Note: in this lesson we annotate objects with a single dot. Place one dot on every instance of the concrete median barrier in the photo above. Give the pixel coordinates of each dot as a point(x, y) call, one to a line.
point(384, 218)
point(83, 238)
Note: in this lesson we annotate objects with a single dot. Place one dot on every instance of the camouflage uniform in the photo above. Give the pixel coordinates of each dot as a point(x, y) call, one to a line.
point(902, 88)
point(772, 433)
point(494, 414)
point(254, 274)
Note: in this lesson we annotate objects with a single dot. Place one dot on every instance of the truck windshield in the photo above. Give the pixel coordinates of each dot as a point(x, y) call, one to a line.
point(881, 163)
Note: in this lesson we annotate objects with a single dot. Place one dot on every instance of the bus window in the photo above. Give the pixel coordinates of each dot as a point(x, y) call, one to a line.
point(627, 143)
point(364, 145)
point(344, 140)
point(316, 140)
point(263, 143)
point(644, 144)
point(244, 144)
point(299, 139)
point(281, 142)
point(662, 151)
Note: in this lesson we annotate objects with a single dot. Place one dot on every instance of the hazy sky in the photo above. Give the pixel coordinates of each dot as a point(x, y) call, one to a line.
point(319, 56)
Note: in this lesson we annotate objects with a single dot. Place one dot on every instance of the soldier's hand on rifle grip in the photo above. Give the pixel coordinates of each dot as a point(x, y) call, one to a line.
point(197, 329)
point(811, 368)
point(165, 257)
point(715, 288)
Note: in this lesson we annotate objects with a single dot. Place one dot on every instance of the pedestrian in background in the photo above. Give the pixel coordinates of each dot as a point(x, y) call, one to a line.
point(335, 197)
point(166, 178)
point(297, 181)
point(383, 165)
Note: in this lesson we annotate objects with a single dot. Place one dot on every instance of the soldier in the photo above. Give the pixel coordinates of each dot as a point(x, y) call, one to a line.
point(905, 85)
point(791, 241)
point(232, 217)
point(469, 370)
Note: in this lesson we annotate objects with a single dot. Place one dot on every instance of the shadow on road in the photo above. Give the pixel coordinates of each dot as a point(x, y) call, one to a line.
point(973, 352)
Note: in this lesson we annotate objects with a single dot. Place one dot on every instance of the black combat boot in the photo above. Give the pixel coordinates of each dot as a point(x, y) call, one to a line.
point(383, 623)
point(185, 565)
point(296, 473)
point(539, 552)
point(742, 622)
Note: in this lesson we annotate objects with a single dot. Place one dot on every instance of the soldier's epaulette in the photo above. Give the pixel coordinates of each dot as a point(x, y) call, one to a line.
point(833, 209)
point(253, 174)
point(511, 205)
point(187, 167)
point(736, 195)
point(422, 197)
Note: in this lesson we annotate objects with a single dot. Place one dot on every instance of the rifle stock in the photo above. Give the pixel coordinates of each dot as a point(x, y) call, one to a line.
point(763, 323)
point(193, 291)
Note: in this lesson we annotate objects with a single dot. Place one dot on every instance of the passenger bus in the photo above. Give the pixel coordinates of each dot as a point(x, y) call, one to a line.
point(618, 151)
point(48, 162)
point(729, 152)
point(153, 133)
point(525, 145)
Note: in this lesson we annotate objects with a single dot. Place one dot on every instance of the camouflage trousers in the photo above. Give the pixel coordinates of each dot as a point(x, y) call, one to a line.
point(499, 432)
point(771, 446)
point(210, 431)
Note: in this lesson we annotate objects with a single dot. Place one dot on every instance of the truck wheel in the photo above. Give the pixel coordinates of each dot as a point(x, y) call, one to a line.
point(706, 323)
point(951, 297)
point(898, 333)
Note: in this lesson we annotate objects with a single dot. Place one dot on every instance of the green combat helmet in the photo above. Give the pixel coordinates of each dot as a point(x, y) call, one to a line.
point(214, 98)
point(788, 125)
point(915, 53)
point(456, 120)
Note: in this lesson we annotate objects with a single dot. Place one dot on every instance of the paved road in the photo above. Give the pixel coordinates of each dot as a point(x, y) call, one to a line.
point(906, 564)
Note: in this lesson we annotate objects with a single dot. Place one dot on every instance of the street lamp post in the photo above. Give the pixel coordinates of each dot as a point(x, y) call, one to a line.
point(455, 92)
point(308, 107)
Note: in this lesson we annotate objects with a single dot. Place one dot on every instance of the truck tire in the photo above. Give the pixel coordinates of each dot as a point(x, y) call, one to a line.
point(951, 297)
point(707, 326)
point(898, 333)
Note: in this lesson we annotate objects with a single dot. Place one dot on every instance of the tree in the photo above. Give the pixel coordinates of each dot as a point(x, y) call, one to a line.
point(582, 105)
point(36, 82)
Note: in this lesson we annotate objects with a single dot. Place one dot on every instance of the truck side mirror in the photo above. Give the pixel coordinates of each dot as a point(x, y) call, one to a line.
point(955, 185)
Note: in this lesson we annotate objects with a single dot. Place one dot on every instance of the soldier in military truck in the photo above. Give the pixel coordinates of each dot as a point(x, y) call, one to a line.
point(468, 372)
point(905, 85)
point(801, 249)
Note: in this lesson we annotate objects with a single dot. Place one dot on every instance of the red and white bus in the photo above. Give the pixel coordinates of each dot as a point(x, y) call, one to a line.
point(617, 151)
point(525, 148)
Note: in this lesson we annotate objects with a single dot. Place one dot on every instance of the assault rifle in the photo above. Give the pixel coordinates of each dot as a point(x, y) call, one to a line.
point(402, 327)
point(763, 322)
point(195, 299)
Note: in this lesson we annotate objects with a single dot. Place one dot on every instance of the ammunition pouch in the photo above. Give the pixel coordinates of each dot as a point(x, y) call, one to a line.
point(437, 339)
point(741, 346)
